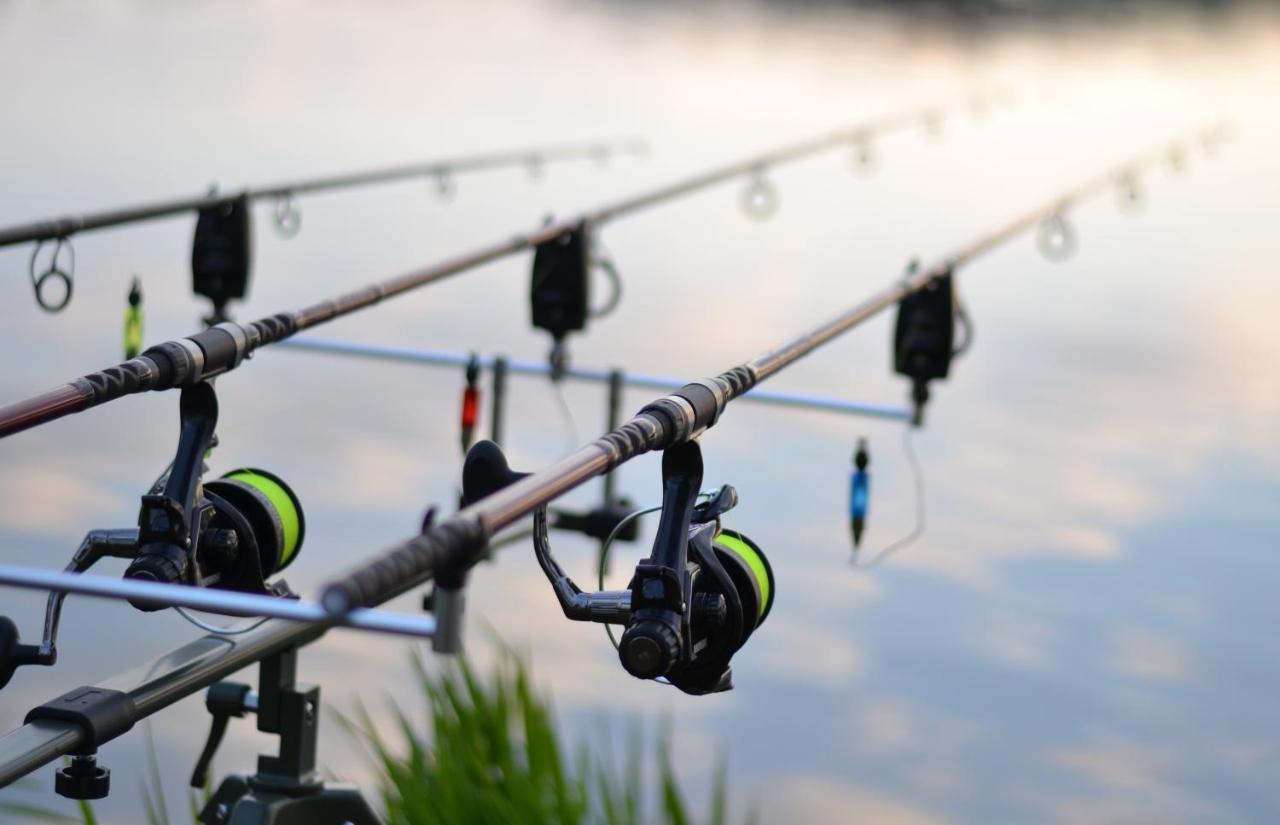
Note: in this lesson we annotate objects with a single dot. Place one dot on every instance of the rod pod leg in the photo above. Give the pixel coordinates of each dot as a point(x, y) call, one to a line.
point(287, 789)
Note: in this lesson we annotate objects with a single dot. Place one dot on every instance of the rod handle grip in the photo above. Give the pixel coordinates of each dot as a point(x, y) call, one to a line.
point(445, 553)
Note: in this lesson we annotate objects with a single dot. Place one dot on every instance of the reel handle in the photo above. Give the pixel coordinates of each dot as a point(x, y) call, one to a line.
point(14, 654)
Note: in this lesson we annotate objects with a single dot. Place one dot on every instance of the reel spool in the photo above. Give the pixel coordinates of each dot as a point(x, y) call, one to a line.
point(751, 574)
point(267, 518)
point(252, 528)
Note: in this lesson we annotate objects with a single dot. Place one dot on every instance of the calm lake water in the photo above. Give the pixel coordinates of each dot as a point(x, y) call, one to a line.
point(1085, 631)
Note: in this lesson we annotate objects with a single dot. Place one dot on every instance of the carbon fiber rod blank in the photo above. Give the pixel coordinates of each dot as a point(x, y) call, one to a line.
point(191, 359)
point(443, 169)
point(449, 549)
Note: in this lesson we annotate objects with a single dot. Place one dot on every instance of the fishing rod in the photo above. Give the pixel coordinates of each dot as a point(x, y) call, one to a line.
point(447, 550)
point(222, 241)
point(630, 380)
point(658, 640)
point(565, 252)
point(559, 301)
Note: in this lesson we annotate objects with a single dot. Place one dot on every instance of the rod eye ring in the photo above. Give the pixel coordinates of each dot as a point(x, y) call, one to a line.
point(760, 197)
point(1056, 239)
point(864, 155)
point(55, 272)
point(287, 215)
point(446, 186)
point(1129, 194)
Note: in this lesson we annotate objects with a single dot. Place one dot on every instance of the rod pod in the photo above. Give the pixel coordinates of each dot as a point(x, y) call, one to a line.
point(286, 788)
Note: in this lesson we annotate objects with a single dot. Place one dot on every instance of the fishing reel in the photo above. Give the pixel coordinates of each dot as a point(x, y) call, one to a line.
point(232, 533)
point(691, 605)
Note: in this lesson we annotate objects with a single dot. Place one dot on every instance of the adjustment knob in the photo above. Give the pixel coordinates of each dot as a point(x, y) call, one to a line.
point(154, 567)
point(648, 649)
point(84, 778)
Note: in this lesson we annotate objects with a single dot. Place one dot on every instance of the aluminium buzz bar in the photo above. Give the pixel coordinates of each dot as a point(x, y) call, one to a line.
point(411, 355)
point(210, 600)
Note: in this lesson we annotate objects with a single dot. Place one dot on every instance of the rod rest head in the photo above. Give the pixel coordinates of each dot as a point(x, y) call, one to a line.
point(485, 471)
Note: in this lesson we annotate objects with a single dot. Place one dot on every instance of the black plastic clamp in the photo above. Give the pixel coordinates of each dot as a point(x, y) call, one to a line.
point(101, 713)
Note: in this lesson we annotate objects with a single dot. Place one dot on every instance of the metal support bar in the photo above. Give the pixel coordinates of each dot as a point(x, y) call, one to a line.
point(225, 602)
point(499, 366)
point(631, 380)
point(613, 418)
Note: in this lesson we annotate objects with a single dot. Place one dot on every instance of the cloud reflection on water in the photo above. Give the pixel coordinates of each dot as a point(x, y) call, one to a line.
point(1084, 632)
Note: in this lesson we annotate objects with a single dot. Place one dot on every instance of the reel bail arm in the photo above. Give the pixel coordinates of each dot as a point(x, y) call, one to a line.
point(484, 473)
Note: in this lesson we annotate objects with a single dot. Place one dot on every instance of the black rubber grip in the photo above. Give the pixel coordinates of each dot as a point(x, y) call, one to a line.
point(703, 401)
point(740, 379)
point(636, 437)
point(269, 330)
point(219, 350)
point(445, 552)
point(173, 363)
point(115, 382)
point(671, 419)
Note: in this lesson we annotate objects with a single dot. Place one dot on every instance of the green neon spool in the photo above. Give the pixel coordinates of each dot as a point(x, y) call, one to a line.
point(753, 560)
point(283, 506)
